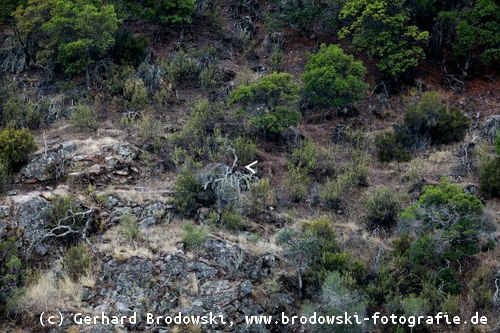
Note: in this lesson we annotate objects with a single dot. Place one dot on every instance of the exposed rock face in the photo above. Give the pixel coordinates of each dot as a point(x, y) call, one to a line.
point(211, 282)
point(47, 165)
point(492, 127)
point(31, 213)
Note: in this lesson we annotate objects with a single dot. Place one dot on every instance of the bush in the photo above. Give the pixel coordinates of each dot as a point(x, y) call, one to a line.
point(135, 93)
point(432, 119)
point(330, 192)
point(5, 179)
point(163, 11)
point(194, 236)
point(130, 225)
point(304, 157)
point(16, 145)
point(322, 229)
point(489, 177)
point(390, 149)
point(382, 208)
point(333, 78)
point(246, 149)
point(261, 195)
point(428, 122)
point(187, 189)
point(270, 102)
point(296, 184)
point(231, 219)
point(181, 69)
point(307, 15)
point(77, 261)
point(84, 118)
point(129, 48)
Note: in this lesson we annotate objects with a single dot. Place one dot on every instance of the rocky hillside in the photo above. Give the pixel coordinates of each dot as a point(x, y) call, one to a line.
point(126, 129)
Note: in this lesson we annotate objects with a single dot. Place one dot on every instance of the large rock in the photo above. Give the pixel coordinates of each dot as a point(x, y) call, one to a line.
point(32, 213)
point(47, 165)
point(492, 127)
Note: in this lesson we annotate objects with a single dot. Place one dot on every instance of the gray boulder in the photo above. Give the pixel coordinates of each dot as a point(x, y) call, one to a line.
point(47, 166)
point(32, 214)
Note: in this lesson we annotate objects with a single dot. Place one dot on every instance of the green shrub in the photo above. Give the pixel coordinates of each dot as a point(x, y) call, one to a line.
point(305, 157)
point(246, 150)
point(433, 119)
point(8, 7)
point(322, 229)
point(429, 121)
point(331, 191)
point(194, 235)
point(270, 102)
point(478, 32)
point(84, 118)
point(447, 194)
point(16, 145)
point(382, 208)
point(181, 69)
point(187, 189)
point(296, 183)
point(162, 11)
point(231, 219)
point(279, 120)
point(386, 32)
point(211, 78)
point(307, 15)
point(333, 78)
point(129, 48)
point(77, 261)
point(390, 149)
point(358, 168)
point(130, 226)
point(5, 179)
point(135, 93)
point(261, 195)
point(489, 177)
point(17, 110)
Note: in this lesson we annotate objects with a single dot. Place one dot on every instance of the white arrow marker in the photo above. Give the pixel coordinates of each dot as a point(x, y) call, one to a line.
point(248, 167)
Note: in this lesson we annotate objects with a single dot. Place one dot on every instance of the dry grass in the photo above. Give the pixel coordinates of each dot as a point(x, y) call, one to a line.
point(140, 196)
point(49, 293)
point(152, 242)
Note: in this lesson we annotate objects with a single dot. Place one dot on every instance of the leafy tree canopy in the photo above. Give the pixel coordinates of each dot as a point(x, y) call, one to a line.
point(7, 8)
point(270, 101)
point(478, 30)
point(383, 29)
point(76, 32)
point(313, 15)
point(162, 11)
point(81, 31)
point(334, 78)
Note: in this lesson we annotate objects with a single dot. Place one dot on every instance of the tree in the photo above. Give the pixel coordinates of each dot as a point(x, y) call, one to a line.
point(270, 102)
point(478, 32)
point(307, 15)
point(8, 7)
point(80, 32)
point(333, 78)
point(383, 29)
point(163, 11)
point(302, 247)
point(76, 33)
point(16, 145)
